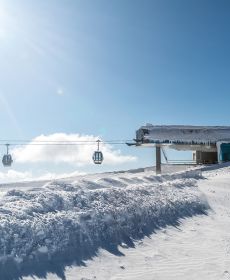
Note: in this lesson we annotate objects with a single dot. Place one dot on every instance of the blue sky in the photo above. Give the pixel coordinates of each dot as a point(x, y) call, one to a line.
point(104, 68)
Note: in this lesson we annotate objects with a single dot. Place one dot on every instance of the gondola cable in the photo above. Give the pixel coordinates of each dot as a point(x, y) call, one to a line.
point(97, 155)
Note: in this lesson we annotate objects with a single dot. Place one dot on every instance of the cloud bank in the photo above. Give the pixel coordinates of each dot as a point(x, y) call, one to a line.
point(78, 155)
point(11, 176)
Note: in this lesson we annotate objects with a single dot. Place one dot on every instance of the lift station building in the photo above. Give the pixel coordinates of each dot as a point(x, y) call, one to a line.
point(210, 144)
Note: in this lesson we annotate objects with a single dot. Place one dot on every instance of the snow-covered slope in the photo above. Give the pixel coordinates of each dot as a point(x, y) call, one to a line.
point(198, 249)
point(43, 229)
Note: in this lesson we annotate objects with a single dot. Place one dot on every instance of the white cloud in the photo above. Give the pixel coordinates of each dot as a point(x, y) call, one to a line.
point(17, 176)
point(13, 175)
point(77, 155)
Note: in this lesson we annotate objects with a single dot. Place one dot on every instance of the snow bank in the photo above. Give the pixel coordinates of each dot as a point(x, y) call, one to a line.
point(69, 222)
point(183, 134)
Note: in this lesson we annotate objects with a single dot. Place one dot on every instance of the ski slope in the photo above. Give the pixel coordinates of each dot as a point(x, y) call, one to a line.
point(121, 225)
point(49, 226)
point(198, 248)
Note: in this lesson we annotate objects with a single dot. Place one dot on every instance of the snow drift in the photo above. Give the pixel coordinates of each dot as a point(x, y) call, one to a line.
point(63, 223)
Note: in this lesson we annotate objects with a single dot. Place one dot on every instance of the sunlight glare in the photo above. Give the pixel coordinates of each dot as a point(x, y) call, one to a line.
point(4, 21)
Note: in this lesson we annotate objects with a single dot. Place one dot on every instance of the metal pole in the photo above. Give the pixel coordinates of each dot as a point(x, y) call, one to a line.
point(158, 160)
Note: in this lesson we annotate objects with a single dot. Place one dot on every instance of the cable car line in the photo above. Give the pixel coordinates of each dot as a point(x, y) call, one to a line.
point(63, 141)
point(60, 144)
point(97, 155)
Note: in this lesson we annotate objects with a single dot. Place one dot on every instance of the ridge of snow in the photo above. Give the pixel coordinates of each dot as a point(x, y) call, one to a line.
point(72, 221)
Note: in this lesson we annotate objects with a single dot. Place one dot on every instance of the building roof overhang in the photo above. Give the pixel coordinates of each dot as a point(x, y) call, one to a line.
point(181, 137)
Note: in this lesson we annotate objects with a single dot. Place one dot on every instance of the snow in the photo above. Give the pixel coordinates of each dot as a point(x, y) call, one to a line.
point(199, 248)
point(66, 222)
point(121, 225)
point(184, 134)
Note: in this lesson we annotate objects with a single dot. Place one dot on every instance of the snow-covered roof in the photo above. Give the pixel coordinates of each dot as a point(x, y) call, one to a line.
point(183, 134)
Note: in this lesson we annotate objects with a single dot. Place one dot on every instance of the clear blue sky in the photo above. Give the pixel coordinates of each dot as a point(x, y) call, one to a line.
point(106, 67)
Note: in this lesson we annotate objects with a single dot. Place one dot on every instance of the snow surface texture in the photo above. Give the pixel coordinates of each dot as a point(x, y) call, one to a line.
point(199, 249)
point(184, 134)
point(45, 229)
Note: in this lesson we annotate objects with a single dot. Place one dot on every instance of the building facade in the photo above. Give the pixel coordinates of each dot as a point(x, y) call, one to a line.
point(211, 144)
